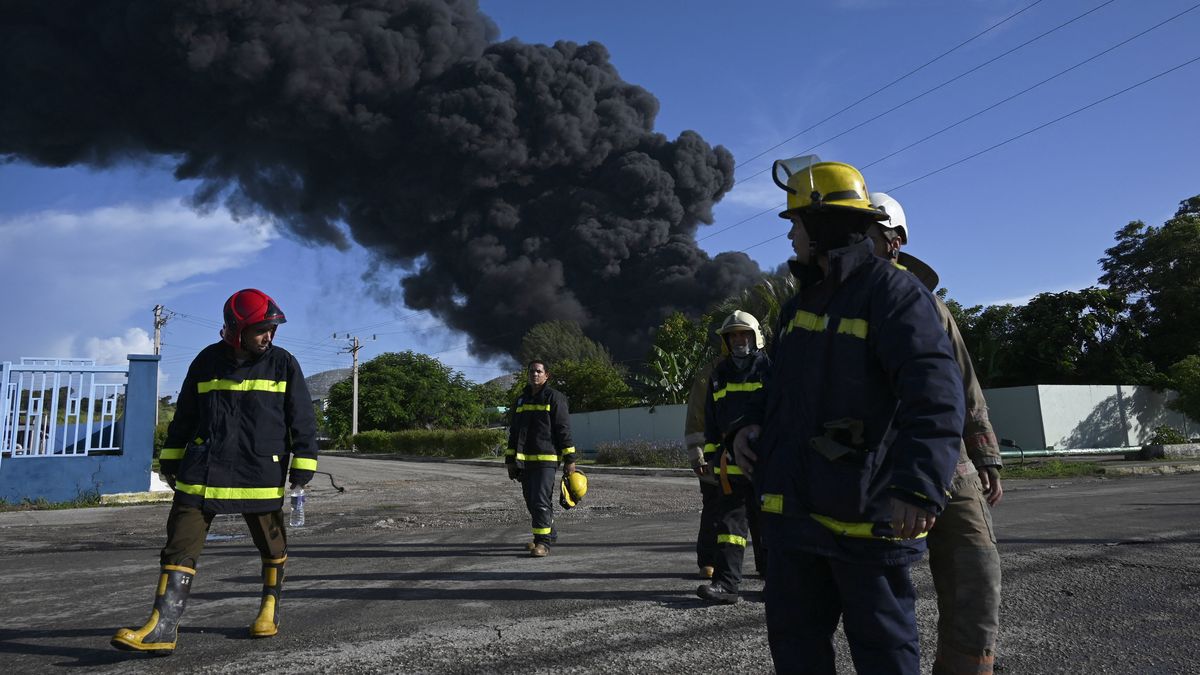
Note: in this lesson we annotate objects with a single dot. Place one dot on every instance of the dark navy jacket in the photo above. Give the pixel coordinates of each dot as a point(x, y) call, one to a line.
point(864, 403)
point(540, 433)
point(730, 390)
point(238, 430)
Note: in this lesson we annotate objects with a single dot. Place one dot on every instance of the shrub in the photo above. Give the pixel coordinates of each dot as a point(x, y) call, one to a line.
point(458, 443)
point(642, 453)
point(1165, 435)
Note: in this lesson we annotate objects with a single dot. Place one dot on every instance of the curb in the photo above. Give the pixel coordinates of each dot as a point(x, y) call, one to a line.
point(1158, 469)
point(137, 497)
point(590, 468)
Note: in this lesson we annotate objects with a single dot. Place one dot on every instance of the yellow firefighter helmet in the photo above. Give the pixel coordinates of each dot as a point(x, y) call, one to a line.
point(572, 490)
point(813, 184)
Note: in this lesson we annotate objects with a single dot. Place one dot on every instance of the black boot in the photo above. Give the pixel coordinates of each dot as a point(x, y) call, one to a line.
point(717, 593)
point(266, 623)
point(159, 634)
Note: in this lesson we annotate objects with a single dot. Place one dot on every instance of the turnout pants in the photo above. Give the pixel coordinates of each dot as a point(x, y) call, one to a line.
point(965, 566)
point(537, 484)
point(737, 520)
point(187, 526)
point(706, 538)
point(805, 596)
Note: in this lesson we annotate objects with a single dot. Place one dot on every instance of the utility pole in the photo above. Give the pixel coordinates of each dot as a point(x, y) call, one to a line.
point(159, 322)
point(355, 345)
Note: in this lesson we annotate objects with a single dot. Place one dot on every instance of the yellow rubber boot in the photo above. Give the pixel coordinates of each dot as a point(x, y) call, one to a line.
point(159, 634)
point(266, 623)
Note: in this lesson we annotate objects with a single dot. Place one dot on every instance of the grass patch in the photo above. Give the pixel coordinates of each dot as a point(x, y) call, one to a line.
point(642, 453)
point(1051, 468)
point(83, 501)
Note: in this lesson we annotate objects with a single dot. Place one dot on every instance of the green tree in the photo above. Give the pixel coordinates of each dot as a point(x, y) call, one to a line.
point(681, 346)
point(555, 341)
point(592, 384)
point(1158, 268)
point(399, 391)
point(1185, 379)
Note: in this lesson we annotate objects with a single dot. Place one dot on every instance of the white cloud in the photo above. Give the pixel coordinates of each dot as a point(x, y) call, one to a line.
point(113, 350)
point(77, 277)
point(758, 193)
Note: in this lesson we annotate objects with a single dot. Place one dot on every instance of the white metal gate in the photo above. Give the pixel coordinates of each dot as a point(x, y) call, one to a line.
point(59, 407)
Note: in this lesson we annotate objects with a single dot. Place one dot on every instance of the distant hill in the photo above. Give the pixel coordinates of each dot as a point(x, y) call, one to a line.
point(505, 382)
point(320, 383)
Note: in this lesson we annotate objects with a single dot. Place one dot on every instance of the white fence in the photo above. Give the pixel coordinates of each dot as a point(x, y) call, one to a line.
point(59, 407)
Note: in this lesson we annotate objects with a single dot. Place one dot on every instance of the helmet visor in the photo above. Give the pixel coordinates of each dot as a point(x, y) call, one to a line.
point(783, 169)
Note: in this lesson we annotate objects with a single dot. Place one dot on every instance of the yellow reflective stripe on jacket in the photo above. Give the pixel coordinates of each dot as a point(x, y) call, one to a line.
point(855, 327)
point(304, 464)
point(732, 470)
point(269, 386)
point(536, 458)
point(533, 407)
point(855, 530)
point(815, 323)
point(541, 530)
point(569, 451)
point(736, 386)
point(772, 503)
point(731, 539)
point(209, 492)
point(170, 453)
point(509, 452)
point(807, 321)
point(710, 448)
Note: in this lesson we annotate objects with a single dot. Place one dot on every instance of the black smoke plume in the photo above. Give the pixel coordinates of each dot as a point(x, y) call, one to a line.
point(499, 184)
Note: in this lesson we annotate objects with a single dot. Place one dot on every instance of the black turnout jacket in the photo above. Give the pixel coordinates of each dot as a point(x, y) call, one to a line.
point(237, 431)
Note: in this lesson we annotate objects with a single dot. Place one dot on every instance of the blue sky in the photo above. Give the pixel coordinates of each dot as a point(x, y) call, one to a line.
point(85, 255)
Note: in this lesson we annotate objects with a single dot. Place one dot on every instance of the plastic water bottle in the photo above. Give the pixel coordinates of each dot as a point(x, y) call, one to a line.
point(297, 519)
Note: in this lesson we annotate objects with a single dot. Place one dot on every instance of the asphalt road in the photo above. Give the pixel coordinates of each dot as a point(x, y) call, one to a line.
point(420, 567)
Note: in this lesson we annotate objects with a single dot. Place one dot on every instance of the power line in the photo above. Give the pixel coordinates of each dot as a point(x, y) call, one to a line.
point(989, 29)
point(1020, 135)
point(1046, 124)
point(935, 88)
point(1031, 87)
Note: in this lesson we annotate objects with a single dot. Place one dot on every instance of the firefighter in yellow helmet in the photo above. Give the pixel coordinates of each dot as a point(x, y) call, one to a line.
point(963, 558)
point(243, 426)
point(732, 383)
point(854, 440)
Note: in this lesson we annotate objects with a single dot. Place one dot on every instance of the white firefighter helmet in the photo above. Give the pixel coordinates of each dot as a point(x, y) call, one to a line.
point(896, 220)
point(740, 320)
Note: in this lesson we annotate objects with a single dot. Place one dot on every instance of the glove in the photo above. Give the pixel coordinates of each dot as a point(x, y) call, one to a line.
point(514, 472)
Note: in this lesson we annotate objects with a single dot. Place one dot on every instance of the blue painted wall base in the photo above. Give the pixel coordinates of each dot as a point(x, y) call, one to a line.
point(64, 479)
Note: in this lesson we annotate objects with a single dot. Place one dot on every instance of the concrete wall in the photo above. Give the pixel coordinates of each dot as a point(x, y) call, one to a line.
point(1035, 417)
point(665, 423)
point(61, 479)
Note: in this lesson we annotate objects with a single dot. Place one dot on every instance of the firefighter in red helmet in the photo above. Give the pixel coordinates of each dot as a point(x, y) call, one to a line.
point(244, 424)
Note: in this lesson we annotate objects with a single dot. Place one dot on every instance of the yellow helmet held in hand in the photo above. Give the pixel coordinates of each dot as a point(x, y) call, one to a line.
point(572, 490)
point(813, 184)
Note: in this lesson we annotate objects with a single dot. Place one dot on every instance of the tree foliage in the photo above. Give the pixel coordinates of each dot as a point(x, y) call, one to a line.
point(681, 346)
point(556, 341)
point(1159, 269)
point(592, 384)
point(399, 391)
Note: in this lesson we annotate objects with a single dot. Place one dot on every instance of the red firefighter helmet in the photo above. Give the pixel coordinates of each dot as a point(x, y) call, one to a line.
point(248, 307)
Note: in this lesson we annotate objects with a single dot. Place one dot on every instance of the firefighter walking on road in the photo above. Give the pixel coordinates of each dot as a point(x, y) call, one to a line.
point(730, 386)
point(539, 437)
point(703, 462)
point(854, 442)
point(243, 422)
point(963, 559)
